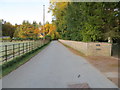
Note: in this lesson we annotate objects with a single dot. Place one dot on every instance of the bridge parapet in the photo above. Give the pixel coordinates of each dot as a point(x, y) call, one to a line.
point(90, 48)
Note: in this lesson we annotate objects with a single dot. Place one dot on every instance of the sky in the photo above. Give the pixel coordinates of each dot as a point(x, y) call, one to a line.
point(15, 11)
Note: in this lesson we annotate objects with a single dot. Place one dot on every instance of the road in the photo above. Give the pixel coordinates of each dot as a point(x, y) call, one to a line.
point(56, 67)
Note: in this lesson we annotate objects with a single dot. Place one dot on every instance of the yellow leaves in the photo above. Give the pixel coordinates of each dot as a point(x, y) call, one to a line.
point(50, 29)
point(27, 31)
point(57, 6)
point(53, 1)
point(23, 36)
point(36, 31)
point(47, 28)
point(61, 5)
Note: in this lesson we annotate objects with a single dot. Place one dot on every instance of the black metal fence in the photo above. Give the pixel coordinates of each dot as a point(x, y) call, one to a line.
point(9, 52)
point(116, 50)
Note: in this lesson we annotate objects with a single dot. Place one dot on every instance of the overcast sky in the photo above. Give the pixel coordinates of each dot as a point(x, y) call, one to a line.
point(15, 11)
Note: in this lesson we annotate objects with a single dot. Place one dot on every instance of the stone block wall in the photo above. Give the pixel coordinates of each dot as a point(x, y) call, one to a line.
point(90, 48)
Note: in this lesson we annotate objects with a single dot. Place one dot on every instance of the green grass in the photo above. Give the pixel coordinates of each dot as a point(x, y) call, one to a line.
point(17, 62)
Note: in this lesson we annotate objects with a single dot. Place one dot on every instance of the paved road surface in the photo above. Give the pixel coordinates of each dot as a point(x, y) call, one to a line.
point(56, 67)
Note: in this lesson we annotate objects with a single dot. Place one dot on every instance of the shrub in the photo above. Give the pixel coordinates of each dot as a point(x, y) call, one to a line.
point(6, 38)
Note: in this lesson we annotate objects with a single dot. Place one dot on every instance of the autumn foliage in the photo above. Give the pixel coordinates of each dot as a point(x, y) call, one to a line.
point(34, 31)
point(50, 30)
point(26, 31)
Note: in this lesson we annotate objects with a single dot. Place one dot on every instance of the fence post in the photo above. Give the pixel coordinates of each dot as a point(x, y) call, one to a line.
point(29, 46)
point(26, 47)
point(13, 51)
point(41, 43)
point(19, 48)
point(37, 44)
point(32, 45)
point(23, 48)
point(6, 53)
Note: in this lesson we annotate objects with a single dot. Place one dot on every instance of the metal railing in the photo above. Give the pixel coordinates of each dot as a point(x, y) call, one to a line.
point(9, 52)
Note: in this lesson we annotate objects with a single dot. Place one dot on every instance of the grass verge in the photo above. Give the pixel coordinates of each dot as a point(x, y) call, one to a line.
point(17, 62)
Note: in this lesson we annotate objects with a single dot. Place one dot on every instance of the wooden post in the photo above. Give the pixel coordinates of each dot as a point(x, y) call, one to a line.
point(29, 46)
point(13, 51)
point(37, 44)
point(19, 48)
point(6, 53)
point(41, 43)
point(26, 47)
point(23, 48)
point(32, 45)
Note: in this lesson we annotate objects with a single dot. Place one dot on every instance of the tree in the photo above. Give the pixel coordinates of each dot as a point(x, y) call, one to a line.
point(26, 32)
point(111, 20)
point(25, 22)
point(35, 25)
point(58, 10)
point(88, 21)
point(50, 30)
point(8, 29)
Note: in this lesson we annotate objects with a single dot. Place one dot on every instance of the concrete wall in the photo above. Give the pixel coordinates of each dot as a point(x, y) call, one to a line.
point(91, 48)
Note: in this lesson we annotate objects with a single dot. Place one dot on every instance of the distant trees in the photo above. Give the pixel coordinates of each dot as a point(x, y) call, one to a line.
point(87, 21)
point(27, 30)
point(50, 30)
point(24, 31)
point(7, 29)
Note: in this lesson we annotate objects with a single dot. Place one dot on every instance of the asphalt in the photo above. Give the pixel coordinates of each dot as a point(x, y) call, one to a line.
point(56, 67)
